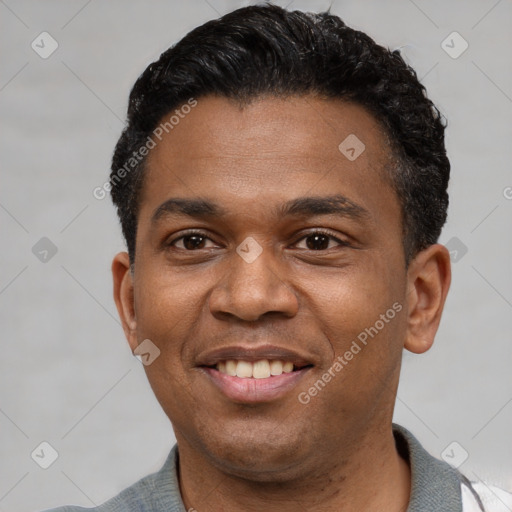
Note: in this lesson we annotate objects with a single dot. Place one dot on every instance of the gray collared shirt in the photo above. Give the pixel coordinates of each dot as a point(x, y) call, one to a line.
point(435, 485)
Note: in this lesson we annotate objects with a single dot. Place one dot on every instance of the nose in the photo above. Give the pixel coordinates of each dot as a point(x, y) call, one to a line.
point(252, 289)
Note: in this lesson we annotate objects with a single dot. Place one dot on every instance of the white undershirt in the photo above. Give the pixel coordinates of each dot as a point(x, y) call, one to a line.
point(493, 498)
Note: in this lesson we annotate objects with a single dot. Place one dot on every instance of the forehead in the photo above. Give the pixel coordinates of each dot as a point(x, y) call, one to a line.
point(313, 125)
point(269, 151)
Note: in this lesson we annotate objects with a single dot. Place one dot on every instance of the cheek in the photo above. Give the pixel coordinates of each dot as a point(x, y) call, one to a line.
point(366, 355)
point(344, 302)
point(165, 300)
point(360, 311)
point(168, 308)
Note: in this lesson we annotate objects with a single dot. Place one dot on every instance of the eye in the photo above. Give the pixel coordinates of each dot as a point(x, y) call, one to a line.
point(315, 241)
point(320, 241)
point(191, 241)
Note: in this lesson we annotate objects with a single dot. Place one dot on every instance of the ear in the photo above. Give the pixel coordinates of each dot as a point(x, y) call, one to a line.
point(429, 277)
point(123, 296)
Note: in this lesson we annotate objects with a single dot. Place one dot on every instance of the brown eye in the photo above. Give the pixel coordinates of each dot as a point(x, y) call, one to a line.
point(317, 242)
point(320, 241)
point(191, 241)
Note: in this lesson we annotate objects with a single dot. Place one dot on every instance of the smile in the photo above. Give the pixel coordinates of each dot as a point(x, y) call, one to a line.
point(255, 382)
point(262, 369)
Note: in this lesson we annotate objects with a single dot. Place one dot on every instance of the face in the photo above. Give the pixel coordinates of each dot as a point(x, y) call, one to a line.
point(260, 240)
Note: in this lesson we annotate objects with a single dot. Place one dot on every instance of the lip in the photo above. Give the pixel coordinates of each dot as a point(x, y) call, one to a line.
point(250, 390)
point(253, 354)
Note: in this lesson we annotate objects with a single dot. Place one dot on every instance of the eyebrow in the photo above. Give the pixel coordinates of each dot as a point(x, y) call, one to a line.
point(199, 208)
point(323, 205)
point(302, 206)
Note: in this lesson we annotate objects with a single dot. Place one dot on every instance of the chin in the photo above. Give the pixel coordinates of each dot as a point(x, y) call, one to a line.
point(262, 458)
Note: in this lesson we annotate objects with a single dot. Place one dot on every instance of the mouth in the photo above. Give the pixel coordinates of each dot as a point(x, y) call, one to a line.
point(254, 375)
point(262, 369)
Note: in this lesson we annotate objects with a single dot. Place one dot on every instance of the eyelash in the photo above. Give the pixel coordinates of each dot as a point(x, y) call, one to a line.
point(341, 243)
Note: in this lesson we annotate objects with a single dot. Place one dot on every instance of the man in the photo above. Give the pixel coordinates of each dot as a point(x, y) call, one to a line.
point(281, 185)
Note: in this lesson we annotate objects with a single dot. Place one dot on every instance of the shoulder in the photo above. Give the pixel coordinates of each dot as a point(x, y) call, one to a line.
point(157, 491)
point(135, 498)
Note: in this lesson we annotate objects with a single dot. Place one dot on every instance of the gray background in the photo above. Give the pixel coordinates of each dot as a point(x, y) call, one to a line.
point(67, 375)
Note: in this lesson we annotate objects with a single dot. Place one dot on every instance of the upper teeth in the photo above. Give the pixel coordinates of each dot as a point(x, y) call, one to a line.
point(258, 370)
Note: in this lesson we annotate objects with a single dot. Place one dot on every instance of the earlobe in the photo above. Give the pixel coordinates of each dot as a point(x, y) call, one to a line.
point(429, 278)
point(124, 296)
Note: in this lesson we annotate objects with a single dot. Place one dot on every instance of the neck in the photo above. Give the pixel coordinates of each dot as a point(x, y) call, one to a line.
point(372, 478)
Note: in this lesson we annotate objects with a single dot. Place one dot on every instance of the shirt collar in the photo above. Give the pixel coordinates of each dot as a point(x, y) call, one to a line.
point(435, 485)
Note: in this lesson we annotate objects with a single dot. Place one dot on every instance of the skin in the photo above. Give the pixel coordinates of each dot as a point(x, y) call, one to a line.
point(336, 452)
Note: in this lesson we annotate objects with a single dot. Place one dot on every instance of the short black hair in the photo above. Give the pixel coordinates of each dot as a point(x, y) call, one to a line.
point(265, 50)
